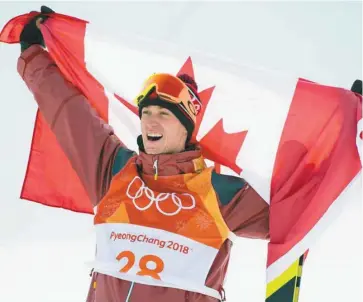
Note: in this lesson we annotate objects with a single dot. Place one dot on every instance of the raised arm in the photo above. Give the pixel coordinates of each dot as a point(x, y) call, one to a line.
point(88, 142)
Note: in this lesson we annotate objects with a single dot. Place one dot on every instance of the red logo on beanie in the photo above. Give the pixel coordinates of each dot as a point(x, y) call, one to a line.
point(193, 92)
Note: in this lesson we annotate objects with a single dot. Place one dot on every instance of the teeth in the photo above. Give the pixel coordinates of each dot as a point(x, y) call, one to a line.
point(155, 135)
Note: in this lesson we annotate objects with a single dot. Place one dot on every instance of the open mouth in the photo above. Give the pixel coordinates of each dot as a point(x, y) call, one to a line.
point(154, 137)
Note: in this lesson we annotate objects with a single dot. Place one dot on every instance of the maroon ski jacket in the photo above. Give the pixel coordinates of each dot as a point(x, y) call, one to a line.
point(96, 154)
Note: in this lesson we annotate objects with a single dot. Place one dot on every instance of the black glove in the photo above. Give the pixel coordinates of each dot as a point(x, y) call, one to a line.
point(31, 34)
point(357, 86)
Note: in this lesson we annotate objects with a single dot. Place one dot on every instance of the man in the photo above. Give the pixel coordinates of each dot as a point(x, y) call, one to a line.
point(164, 221)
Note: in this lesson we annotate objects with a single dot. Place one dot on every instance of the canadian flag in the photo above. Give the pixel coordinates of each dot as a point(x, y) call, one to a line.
point(298, 143)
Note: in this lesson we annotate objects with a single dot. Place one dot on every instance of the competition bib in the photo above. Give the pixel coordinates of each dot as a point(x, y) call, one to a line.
point(154, 257)
point(167, 237)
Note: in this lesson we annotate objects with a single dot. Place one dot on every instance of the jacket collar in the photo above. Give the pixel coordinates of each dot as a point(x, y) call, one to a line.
point(190, 161)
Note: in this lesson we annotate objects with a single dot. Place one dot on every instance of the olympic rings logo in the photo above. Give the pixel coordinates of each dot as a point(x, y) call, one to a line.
point(158, 199)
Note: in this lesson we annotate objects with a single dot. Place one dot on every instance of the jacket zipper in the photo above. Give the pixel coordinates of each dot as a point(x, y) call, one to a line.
point(155, 166)
point(130, 291)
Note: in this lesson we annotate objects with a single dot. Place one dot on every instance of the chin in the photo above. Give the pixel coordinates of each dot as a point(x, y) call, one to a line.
point(152, 150)
point(154, 147)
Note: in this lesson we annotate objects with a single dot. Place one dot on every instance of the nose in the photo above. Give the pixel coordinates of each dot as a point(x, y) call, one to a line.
point(152, 122)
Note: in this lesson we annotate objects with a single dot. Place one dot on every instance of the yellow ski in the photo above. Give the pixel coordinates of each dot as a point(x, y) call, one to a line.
point(286, 287)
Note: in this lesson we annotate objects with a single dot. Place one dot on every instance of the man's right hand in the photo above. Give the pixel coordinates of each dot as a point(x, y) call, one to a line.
point(31, 33)
point(357, 86)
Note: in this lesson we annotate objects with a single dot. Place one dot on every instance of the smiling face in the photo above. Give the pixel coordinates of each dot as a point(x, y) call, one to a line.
point(161, 131)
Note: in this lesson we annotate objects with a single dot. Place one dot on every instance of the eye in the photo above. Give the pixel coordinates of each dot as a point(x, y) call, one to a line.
point(164, 113)
point(145, 111)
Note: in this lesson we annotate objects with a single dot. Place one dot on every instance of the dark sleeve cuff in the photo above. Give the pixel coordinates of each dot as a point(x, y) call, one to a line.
point(24, 45)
